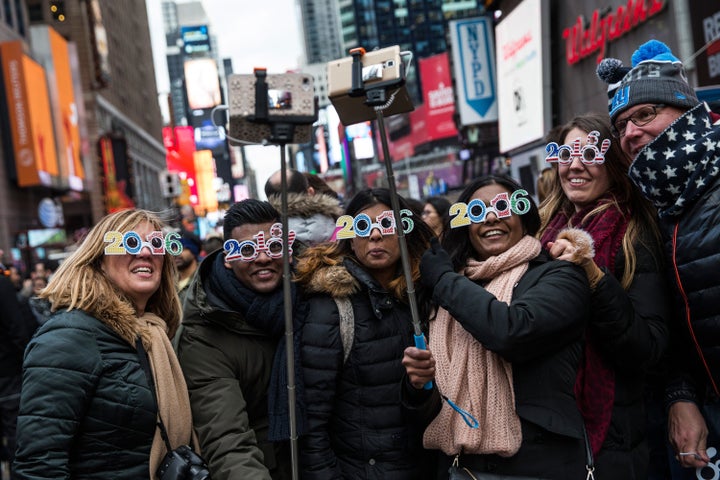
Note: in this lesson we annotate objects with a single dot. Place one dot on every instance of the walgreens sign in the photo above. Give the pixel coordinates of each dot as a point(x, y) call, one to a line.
point(581, 42)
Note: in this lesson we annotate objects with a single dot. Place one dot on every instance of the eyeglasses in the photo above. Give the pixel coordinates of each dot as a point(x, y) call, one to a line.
point(640, 118)
point(249, 250)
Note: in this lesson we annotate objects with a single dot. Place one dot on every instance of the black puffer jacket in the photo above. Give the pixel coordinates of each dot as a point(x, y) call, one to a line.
point(86, 409)
point(357, 427)
point(695, 248)
point(679, 171)
point(631, 331)
point(540, 333)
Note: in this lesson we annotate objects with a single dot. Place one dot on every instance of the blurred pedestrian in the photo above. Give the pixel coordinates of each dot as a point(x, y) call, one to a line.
point(187, 261)
point(311, 215)
point(545, 183)
point(436, 213)
point(17, 326)
point(212, 242)
point(319, 185)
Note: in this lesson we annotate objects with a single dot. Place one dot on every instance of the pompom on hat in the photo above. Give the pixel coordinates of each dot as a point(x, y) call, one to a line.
point(656, 77)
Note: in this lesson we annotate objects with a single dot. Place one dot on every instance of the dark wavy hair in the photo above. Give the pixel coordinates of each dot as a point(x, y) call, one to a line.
point(457, 240)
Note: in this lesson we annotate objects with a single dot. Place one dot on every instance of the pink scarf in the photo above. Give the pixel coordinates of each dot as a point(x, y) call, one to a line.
point(473, 377)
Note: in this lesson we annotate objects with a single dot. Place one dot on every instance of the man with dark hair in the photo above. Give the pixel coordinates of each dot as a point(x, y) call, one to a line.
point(187, 261)
point(296, 183)
point(311, 214)
point(233, 326)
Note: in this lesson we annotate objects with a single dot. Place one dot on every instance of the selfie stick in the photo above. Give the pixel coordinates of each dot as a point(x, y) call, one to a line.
point(282, 131)
point(377, 98)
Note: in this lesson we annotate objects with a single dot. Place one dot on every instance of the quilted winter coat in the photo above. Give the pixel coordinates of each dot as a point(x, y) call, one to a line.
point(86, 410)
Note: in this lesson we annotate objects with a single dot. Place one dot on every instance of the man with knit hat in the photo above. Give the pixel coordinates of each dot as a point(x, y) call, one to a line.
point(675, 147)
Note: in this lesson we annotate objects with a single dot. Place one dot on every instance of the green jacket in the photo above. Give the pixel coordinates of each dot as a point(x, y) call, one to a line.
point(227, 365)
point(86, 410)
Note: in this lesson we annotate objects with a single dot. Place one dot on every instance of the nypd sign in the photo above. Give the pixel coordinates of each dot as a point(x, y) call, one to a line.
point(474, 67)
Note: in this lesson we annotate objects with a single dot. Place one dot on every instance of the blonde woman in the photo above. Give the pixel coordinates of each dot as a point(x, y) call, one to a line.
point(86, 407)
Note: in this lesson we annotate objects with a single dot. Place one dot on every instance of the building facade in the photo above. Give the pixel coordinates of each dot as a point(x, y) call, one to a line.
point(111, 129)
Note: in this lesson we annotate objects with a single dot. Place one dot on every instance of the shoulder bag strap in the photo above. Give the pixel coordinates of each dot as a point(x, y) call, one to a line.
point(145, 364)
point(589, 462)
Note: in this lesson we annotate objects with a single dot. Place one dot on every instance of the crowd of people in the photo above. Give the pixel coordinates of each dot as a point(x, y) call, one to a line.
point(575, 335)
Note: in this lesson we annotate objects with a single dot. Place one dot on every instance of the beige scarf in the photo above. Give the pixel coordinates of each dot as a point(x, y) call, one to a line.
point(473, 377)
point(170, 387)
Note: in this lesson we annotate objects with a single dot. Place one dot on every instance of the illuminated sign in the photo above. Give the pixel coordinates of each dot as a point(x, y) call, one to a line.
point(438, 96)
point(116, 167)
point(202, 83)
point(31, 128)
point(581, 42)
point(195, 39)
point(52, 51)
point(474, 66)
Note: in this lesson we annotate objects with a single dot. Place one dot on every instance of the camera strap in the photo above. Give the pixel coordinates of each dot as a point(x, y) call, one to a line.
point(145, 364)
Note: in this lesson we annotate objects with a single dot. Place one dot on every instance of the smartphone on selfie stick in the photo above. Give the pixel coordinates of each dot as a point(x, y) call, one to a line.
point(367, 86)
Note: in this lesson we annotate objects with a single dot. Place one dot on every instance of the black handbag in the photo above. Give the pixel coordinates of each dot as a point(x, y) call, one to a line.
point(458, 472)
point(181, 463)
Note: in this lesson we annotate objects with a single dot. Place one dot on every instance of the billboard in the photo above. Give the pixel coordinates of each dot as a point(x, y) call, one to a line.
point(29, 118)
point(116, 173)
point(705, 18)
point(195, 39)
point(202, 83)
point(360, 137)
point(438, 96)
point(522, 95)
point(205, 174)
point(474, 64)
point(53, 52)
point(99, 43)
point(180, 149)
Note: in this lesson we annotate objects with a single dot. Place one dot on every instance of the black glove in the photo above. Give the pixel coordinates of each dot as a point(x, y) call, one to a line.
point(434, 264)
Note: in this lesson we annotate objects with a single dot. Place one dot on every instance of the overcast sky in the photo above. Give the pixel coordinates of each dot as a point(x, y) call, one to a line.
point(257, 33)
point(254, 33)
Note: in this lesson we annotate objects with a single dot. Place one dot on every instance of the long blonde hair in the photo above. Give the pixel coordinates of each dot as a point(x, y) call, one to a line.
point(642, 223)
point(80, 283)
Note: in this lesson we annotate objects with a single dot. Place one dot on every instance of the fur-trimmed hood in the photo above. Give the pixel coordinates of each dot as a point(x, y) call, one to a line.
point(332, 279)
point(305, 206)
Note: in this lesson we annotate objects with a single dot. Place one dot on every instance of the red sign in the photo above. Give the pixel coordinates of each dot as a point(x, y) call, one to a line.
point(117, 180)
point(438, 96)
point(180, 157)
point(581, 43)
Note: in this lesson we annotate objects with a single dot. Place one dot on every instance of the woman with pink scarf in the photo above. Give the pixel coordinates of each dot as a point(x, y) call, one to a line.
point(505, 344)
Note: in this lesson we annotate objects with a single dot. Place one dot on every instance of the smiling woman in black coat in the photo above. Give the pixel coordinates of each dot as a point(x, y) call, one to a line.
point(505, 344)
